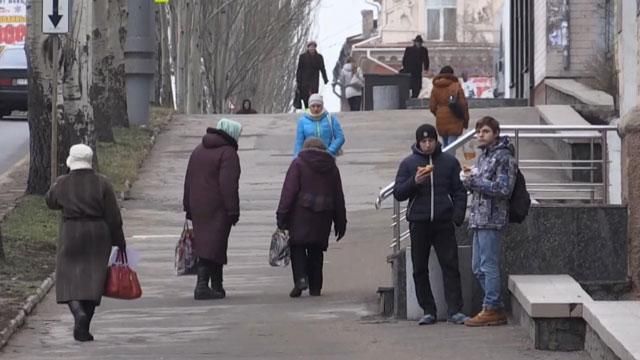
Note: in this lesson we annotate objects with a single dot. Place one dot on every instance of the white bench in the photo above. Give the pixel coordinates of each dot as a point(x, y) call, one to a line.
point(549, 296)
point(617, 324)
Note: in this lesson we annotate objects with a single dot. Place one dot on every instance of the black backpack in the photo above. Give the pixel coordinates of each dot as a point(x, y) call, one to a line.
point(455, 107)
point(520, 201)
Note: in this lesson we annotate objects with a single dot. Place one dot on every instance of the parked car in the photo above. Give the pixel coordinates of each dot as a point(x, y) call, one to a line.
point(13, 80)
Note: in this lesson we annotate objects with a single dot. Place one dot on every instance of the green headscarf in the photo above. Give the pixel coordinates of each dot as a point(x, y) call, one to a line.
point(232, 128)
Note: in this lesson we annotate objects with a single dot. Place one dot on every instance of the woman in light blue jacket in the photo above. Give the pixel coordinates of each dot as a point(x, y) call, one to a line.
point(321, 124)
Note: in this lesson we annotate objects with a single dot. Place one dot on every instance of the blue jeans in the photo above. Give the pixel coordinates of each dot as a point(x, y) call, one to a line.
point(486, 265)
point(446, 140)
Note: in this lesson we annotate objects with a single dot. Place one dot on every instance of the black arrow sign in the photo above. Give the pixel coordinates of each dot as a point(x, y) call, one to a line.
point(55, 17)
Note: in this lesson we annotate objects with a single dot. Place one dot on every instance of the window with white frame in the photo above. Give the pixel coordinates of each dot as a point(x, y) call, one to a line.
point(441, 20)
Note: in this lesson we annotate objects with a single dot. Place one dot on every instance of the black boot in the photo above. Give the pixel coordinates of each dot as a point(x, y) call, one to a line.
point(202, 290)
point(216, 281)
point(299, 286)
point(81, 322)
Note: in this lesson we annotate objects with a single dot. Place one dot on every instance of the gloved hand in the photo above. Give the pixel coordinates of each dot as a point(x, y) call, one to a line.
point(458, 219)
point(188, 215)
point(234, 219)
point(282, 225)
point(340, 231)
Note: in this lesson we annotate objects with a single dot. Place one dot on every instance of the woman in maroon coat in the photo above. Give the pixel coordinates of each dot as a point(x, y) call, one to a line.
point(211, 201)
point(311, 200)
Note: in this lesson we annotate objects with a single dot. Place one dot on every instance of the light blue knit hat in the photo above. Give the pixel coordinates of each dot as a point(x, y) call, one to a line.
point(232, 128)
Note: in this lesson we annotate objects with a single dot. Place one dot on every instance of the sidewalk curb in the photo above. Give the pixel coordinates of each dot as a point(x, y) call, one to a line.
point(27, 308)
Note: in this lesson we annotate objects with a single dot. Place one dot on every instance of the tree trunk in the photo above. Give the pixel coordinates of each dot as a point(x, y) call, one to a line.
point(194, 92)
point(117, 35)
point(166, 91)
point(78, 124)
point(38, 51)
point(102, 65)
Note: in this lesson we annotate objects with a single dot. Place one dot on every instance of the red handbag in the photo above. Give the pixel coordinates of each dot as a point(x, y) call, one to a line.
point(122, 281)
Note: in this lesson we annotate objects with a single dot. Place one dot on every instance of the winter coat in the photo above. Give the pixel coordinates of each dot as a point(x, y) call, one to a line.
point(415, 59)
point(442, 198)
point(352, 82)
point(492, 186)
point(312, 199)
point(447, 124)
point(89, 226)
point(211, 194)
point(307, 73)
point(329, 131)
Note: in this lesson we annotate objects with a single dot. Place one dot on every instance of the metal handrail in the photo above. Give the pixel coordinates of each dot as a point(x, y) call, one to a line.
point(589, 132)
point(387, 191)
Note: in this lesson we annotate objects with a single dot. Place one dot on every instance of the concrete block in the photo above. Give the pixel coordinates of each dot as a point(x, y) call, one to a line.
point(548, 296)
point(616, 324)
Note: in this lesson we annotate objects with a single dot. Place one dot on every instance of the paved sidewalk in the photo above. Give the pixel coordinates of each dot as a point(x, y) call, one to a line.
point(258, 320)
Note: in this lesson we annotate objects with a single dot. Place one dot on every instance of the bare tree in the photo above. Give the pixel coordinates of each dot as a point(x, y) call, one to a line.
point(40, 62)
point(230, 49)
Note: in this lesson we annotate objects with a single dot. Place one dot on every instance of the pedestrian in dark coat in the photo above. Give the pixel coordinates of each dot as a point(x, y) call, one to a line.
point(437, 202)
point(307, 77)
point(211, 201)
point(311, 200)
point(447, 88)
point(414, 60)
point(246, 108)
point(90, 225)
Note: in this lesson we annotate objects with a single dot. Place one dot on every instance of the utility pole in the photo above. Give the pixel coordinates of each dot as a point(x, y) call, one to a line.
point(55, 20)
point(140, 66)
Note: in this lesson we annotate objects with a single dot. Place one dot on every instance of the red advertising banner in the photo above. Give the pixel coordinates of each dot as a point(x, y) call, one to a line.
point(13, 22)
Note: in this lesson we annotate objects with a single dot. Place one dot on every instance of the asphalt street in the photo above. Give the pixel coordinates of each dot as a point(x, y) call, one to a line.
point(14, 142)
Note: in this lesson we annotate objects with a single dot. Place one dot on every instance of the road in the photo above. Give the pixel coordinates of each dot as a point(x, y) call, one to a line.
point(258, 320)
point(14, 142)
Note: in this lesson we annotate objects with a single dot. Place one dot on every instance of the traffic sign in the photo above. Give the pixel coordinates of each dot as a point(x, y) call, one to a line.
point(55, 16)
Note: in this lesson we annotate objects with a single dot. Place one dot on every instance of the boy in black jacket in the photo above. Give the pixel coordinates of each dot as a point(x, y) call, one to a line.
point(437, 201)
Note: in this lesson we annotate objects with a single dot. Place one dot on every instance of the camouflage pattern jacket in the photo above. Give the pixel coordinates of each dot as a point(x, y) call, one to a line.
point(492, 185)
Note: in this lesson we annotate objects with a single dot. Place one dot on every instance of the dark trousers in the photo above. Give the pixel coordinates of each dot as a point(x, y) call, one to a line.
point(307, 261)
point(442, 237)
point(354, 103)
point(416, 85)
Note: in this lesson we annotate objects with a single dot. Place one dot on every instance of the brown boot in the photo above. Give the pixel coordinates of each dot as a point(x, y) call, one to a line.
point(488, 317)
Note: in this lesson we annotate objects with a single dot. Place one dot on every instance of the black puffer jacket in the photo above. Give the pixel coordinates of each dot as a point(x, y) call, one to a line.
point(441, 198)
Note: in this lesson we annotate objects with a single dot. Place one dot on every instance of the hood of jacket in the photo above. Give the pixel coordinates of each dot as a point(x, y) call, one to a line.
point(215, 138)
point(311, 117)
point(444, 80)
point(319, 161)
point(417, 151)
point(502, 144)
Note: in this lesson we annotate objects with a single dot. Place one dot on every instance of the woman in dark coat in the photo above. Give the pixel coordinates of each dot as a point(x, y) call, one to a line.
point(311, 200)
point(446, 87)
point(211, 201)
point(89, 227)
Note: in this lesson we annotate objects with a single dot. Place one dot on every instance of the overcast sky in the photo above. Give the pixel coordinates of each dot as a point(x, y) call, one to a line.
point(335, 21)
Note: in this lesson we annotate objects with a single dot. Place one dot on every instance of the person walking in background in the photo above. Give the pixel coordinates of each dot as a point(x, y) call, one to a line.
point(352, 82)
point(414, 61)
point(311, 200)
point(449, 105)
point(90, 225)
point(310, 63)
point(429, 179)
point(211, 201)
point(321, 124)
point(246, 108)
point(491, 181)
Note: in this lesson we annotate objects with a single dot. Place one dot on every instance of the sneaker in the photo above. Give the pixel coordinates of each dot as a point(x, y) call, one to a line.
point(488, 317)
point(458, 318)
point(428, 320)
point(295, 292)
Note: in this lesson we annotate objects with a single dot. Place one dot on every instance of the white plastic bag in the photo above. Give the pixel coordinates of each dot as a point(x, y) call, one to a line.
point(133, 257)
point(279, 252)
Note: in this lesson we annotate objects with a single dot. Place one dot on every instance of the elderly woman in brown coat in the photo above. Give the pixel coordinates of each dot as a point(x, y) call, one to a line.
point(311, 200)
point(211, 201)
point(449, 106)
point(90, 225)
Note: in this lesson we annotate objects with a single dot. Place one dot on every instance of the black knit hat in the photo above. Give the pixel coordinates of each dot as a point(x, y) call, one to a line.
point(426, 131)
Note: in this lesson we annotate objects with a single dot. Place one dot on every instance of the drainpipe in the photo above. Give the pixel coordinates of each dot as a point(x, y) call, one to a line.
point(140, 66)
point(565, 32)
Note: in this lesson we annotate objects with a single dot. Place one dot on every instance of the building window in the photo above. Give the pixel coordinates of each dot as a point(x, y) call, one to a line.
point(441, 20)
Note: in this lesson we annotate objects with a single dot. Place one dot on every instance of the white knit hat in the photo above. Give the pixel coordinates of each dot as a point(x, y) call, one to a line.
point(80, 157)
point(316, 99)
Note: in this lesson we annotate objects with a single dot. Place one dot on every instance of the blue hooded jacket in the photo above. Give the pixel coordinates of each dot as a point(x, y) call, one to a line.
point(331, 136)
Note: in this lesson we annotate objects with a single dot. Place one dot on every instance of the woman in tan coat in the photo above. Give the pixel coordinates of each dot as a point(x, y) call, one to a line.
point(89, 226)
point(449, 106)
